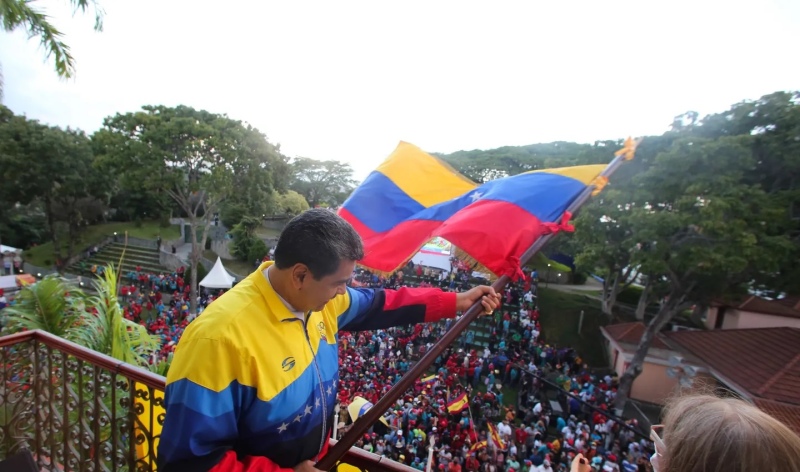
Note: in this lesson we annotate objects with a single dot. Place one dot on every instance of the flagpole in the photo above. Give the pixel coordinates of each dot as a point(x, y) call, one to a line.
point(364, 422)
point(430, 455)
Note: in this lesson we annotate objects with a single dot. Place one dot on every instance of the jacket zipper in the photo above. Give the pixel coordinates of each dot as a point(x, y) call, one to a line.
point(321, 387)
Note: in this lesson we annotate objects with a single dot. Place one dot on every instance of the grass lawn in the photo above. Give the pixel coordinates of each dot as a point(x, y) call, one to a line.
point(234, 265)
point(42, 255)
point(560, 312)
point(263, 232)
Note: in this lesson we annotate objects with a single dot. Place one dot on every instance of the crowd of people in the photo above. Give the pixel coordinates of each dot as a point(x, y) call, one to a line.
point(160, 302)
point(561, 407)
point(499, 400)
point(487, 432)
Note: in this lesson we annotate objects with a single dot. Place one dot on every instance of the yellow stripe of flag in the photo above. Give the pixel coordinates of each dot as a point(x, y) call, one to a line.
point(424, 178)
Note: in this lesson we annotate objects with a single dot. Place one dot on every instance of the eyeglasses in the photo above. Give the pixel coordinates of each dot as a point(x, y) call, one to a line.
point(655, 435)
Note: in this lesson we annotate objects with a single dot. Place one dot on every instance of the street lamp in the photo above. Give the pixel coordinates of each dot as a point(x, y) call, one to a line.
point(559, 277)
point(547, 280)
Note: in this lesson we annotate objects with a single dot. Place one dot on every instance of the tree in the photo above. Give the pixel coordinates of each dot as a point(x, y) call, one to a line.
point(52, 166)
point(608, 244)
point(291, 203)
point(245, 245)
point(322, 182)
point(705, 232)
point(200, 159)
point(22, 14)
point(483, 166)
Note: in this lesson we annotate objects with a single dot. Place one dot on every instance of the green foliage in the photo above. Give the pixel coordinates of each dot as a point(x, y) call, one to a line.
point(109, 332)
point(630, 295)
point(245, 245)
point(58, 306)
point(199, 159)
point(52, 304)
point(322, 183)
point(54, 167)
point(579, 278)
point(291, 203)
point(22, 14)
point(24, 225)
point(483, 166)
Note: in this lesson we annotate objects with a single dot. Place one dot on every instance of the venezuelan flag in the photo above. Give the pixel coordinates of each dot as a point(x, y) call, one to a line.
point(413, 197)
point(459, 404)
point(428, 380)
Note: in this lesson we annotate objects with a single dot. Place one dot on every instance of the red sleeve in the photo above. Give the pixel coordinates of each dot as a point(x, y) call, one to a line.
point(230, 463)
point(380, 309)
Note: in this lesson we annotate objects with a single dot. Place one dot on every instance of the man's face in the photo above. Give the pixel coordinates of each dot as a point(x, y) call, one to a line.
point(317, 293)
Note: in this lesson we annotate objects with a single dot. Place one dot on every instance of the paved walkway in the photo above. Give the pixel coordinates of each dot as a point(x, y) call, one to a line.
point(588, 289)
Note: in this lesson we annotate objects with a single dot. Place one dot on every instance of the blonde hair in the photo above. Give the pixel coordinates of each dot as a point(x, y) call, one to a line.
point(705, 433)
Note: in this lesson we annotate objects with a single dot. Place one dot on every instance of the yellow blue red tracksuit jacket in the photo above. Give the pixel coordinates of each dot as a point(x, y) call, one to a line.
point(250, 380)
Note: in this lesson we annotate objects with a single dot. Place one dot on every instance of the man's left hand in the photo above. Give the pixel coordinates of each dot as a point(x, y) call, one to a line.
point(486, 294)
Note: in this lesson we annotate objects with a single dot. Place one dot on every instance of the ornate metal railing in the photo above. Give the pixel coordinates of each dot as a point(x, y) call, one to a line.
point(77, 409)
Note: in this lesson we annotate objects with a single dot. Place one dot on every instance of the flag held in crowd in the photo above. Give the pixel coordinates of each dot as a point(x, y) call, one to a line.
point(458, 404)
point(428, 380)
point(494, 436)
point(359, 406)
point(413, 197)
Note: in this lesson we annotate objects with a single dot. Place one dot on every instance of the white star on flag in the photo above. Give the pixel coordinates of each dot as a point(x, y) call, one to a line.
point(298, 418)
point(316, 404)
point(282, 427)
point(476, 196)
point(307, 411)
point(329, 390)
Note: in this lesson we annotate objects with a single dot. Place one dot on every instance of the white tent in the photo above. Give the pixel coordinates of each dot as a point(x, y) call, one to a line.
point(218, 277)
point(5, 249)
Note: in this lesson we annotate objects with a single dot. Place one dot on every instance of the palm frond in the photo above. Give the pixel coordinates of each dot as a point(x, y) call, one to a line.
point(20, 13)
point(110, 332)
point(53, 304)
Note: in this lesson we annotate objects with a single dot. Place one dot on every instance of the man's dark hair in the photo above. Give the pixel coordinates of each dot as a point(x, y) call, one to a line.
point(321, 240)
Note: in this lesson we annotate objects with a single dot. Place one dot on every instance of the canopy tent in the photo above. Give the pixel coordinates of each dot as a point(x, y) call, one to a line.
point(4, 249)
point(218, 277)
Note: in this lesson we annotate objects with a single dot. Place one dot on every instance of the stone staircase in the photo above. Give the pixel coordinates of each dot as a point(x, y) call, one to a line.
point(146, 258)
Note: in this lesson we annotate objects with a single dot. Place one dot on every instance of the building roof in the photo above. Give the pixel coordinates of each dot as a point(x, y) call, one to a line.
point(783, 412)
point(631, 333)
point(787, 306)
point(764, 362)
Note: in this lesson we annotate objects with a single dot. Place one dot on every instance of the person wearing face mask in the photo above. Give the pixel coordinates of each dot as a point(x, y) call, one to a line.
point(253, 381)
point(710, 434)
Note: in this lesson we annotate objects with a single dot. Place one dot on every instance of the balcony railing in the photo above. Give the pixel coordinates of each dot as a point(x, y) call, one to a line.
point(77, 409)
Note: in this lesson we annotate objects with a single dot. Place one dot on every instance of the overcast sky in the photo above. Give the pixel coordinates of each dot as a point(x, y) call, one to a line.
point(348, 80)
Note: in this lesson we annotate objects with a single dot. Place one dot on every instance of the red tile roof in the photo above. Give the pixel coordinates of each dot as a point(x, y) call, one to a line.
point(788, 306)
point(783, 412)
point(765, 362)
point(631, 333)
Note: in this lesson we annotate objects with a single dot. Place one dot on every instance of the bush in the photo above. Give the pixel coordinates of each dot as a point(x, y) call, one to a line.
point(137, 222)
point(579, 278)
point(257, 250)
point(163, 221)
point(630, 295)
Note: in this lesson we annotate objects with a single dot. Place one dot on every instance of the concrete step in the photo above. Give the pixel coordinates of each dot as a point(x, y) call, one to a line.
point(128, 259)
